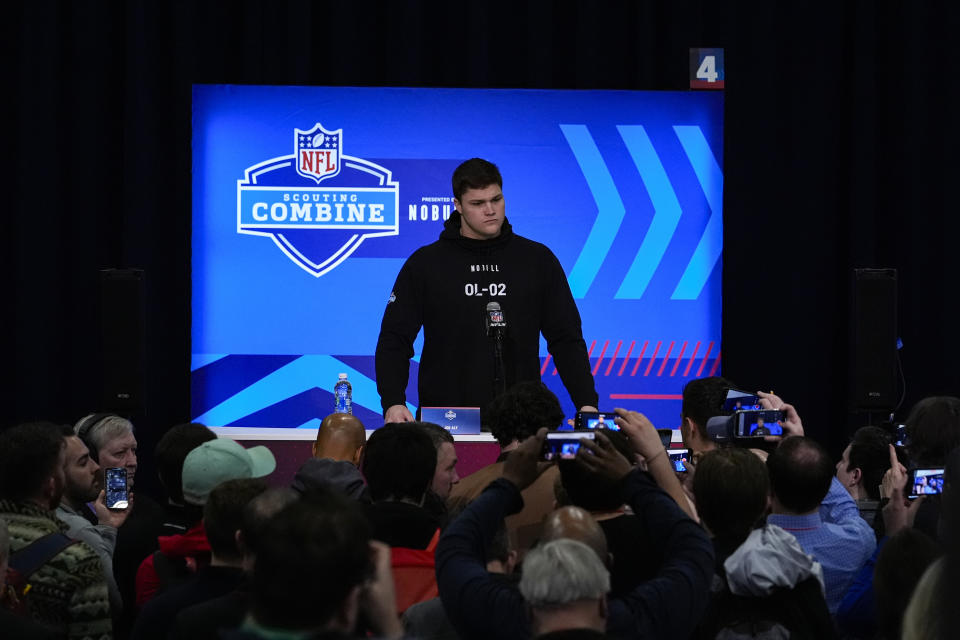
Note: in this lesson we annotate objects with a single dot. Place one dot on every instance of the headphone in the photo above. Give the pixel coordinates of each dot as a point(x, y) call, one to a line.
point(86, 426)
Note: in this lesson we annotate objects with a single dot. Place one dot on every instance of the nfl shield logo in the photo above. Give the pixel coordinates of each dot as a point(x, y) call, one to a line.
point(496, 316)
point(318, 152)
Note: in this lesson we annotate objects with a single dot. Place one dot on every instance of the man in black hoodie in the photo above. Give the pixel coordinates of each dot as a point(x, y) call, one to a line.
point(336, 458)
point(445, 287)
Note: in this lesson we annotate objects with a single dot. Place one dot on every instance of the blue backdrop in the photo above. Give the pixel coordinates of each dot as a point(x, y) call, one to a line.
point(307, 200)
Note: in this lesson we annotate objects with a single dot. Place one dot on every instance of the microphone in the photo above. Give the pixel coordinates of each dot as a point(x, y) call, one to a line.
point(493, 320)
point(496, 326)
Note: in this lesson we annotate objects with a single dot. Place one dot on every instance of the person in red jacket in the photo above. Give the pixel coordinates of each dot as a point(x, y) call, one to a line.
point(204, 468)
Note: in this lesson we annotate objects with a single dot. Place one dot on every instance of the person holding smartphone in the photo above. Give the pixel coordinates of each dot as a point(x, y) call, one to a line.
point(82, 487)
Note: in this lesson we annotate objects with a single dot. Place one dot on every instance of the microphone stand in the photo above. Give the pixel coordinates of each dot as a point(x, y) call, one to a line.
point(499, 379)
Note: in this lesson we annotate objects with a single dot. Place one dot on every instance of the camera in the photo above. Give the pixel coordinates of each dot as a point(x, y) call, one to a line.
point(563, 445)
point(744, 418)
point(752, 423)
point(678, 458)
point(116, 492)
point(738, 400)
point(595, 420)
point(925, 482)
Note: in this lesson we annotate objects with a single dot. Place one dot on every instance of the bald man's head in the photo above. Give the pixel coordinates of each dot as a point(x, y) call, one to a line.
point(574, 523)
point(341, 437)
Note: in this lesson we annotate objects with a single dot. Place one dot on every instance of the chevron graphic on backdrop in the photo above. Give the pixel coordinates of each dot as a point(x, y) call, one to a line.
point(667, 211)
point(303, 374)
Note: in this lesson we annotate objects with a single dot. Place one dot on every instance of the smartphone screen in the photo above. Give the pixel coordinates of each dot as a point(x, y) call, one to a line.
point(116, 481)
point(900, 436)
point(926, 482)
point(741, 401)
point(596, 420)
point(765, 422)
point(563, 445)
point(678, 458)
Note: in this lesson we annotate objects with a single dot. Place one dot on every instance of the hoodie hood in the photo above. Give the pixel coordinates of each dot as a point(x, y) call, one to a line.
point(769, 559)
point(335, 474)
point(451, 233)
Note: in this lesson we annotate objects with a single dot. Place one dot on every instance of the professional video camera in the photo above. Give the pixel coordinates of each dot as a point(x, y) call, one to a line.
point(744, 419)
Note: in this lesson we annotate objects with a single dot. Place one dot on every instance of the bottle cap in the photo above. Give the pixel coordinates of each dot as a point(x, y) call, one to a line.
point(343, 376)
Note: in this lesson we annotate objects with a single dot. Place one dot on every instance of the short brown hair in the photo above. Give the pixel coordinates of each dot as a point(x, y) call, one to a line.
point(475, 173)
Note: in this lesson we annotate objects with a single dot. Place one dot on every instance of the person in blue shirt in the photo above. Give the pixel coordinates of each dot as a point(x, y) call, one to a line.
point(809, 502)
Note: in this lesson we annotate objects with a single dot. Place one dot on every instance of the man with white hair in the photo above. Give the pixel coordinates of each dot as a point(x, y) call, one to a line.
point(111, 443)
point(565, 585)
point(667, 605)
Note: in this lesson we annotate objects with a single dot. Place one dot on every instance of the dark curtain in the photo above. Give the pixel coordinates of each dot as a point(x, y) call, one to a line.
point(840, 147)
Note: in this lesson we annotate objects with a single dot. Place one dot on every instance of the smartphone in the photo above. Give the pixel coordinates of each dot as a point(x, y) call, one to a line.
point(678, 458)
point(757, 423)
point(116, 481)
point(925, 482)
point(900, 436)
point(563, 445)
point(738, 400)
point(595, 420)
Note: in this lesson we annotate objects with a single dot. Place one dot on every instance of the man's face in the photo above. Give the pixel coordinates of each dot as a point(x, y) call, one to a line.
point(80, 472)
point(59, 479)
point(120, 452)
point(446, 474)
point(846, 477)
point(481, 212)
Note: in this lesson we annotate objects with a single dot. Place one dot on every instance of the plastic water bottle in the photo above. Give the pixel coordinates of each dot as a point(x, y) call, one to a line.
point(343, 395)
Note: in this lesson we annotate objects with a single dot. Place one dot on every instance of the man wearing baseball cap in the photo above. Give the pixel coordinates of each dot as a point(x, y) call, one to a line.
point(204, 468)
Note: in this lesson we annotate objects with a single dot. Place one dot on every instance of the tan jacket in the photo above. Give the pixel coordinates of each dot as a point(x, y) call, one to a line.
point(538, 501)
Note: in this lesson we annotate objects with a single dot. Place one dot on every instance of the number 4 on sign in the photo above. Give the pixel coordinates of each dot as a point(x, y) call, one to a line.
point(708, 69)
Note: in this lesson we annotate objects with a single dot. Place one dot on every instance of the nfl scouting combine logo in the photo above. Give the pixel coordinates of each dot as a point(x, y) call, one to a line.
point(318, 227)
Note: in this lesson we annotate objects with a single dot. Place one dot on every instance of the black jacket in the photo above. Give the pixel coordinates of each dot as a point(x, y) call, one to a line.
point(667, 606)
point(445, 286)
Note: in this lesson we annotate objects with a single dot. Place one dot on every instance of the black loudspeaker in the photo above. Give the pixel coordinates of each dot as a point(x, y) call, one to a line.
point(123, 332)
point(873, 362)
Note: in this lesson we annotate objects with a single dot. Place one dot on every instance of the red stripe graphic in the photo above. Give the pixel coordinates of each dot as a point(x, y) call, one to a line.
point(627, 359)
point(706, 356)
point(676, 364)
point(716, 365)
point(546, 362)
point(654, 358)
point(646, 396)
point(603, 352)
point(614, 358)
point(665, 359)
point(640, 358)
point(686, 371)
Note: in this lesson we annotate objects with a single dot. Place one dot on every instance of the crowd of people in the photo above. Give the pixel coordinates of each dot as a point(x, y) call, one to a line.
point(378, 536)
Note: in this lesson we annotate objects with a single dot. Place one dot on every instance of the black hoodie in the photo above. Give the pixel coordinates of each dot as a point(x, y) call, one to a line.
point(445, 287)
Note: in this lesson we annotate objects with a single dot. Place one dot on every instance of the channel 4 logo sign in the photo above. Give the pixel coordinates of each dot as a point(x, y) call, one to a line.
point(318, 205)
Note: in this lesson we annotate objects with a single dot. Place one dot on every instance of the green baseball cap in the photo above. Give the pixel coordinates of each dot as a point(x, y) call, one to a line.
point(220, 460)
